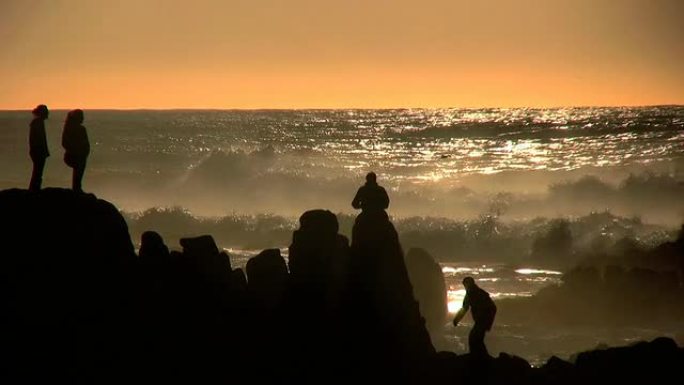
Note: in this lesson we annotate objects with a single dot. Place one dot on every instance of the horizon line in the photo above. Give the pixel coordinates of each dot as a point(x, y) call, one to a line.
point(341, 108)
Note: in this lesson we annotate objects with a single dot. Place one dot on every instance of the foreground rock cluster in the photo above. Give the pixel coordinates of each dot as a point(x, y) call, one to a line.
point(79, 306)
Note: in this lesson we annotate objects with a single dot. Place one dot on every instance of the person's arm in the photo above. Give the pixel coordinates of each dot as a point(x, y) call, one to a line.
point(66, 138)
point(86, 142)
point(385, 199)
point(462, 312)
point(356, 203)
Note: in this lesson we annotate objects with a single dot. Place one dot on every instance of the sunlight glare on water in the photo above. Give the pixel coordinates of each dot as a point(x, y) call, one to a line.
point(499, 280)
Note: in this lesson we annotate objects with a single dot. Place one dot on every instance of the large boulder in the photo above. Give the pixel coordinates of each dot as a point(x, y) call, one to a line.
point(429, 289)
point(394, 342)
point(318, 262)
point(656, 362)
point(267, 279)
point(66, 286)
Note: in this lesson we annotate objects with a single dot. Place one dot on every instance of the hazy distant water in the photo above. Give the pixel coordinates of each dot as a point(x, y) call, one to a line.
point(279, 160)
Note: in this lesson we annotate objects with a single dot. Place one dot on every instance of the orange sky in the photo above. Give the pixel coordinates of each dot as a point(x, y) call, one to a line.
point(340, 53)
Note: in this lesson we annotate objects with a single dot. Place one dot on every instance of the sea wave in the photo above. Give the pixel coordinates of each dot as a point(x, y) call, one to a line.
point(488, 237)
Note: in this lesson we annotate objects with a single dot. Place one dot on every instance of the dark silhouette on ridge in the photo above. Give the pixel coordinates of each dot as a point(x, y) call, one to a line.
point(38, 148)
point(76, 146)
point(371, 196)
point(483, 310)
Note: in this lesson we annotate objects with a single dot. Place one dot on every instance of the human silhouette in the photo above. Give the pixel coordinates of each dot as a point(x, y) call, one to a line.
point(483, 312)
point(371, 197)
point(76, 146)
point(38, 148)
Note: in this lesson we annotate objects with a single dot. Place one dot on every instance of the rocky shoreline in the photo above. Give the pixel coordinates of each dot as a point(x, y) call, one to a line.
point(79, 306)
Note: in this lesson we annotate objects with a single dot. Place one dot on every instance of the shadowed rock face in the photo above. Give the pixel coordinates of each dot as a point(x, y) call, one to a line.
point(429, 289)
point(78, 307)
point(267, 278)
point(67, 284)
point(388, 318)
point(316, 312)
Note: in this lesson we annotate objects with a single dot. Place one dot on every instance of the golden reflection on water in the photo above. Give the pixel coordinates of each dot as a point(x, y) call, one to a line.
point(499, 280)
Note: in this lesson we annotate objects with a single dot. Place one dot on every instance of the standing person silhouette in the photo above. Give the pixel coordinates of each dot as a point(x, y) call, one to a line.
point(76, 146)
point(38, 148)
point(483, 312)
point(371, 197)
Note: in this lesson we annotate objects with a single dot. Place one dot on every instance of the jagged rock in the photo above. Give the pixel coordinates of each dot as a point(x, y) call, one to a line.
point(267, 279)
point(314, 246)
point(318, 259)
point(199, 247)
point(203, 254)
point(75, 309)
point(152, 247)
point(388, 317)
point(557, 371)
point(658, 361)
point(509, 369)
point(429, 289)
point(65, 286)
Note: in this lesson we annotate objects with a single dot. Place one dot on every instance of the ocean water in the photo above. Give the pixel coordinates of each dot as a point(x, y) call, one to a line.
point(435, 162)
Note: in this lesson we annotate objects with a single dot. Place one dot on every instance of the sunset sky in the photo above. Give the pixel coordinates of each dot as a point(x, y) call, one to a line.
point(340, 53)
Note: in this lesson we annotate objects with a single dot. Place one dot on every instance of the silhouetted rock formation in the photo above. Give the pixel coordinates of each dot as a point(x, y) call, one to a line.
point(318, 260)
point(78, 307)
point(152, 248)
point(389, 322)
point(66, 287)
point(655, 362)
point(429, 289)
point(613, 296)
point(267, 281)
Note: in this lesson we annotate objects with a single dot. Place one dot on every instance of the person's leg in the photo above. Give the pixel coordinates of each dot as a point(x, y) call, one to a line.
point(476, 341)
point(37, 175)
point(79, 169)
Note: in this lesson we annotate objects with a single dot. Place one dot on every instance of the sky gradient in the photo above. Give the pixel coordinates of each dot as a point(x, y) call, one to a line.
point(340, 53)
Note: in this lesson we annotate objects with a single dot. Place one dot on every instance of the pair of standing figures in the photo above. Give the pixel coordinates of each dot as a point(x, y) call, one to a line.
point(74, 140)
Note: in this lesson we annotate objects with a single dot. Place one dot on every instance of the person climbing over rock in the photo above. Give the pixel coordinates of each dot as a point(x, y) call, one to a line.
point(483, 310)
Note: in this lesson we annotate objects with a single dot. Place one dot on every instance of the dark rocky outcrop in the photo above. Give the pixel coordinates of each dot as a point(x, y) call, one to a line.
point(388, 320)
point(66, 286)
point(319, 262)
point(655, 362)
point(78, 306)
point(267, 278)
point(429, 289)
